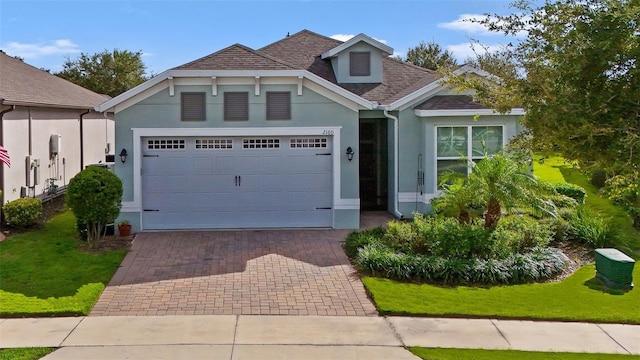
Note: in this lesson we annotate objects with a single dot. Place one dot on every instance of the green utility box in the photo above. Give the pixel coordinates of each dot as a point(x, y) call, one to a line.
point(614, 268)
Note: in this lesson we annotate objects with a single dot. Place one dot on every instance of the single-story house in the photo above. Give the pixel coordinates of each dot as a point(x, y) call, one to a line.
point(50, 129)
point(305, 132)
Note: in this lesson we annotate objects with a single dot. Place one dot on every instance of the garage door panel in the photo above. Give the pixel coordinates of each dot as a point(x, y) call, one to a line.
point(237, 187)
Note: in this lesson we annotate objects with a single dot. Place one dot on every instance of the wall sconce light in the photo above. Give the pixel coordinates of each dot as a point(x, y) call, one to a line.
point(350, 153)
point(123, 155)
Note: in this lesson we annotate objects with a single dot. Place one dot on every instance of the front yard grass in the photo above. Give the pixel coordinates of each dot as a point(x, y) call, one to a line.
point(476, 354)
point(47, 272)
point(577, 298)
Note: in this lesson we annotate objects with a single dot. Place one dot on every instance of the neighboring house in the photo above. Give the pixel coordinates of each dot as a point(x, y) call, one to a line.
point(305, 132)
point(49, 127)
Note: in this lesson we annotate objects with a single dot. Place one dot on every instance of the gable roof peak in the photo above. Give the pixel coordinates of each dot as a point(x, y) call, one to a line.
point(388, 50)
point(236, 57)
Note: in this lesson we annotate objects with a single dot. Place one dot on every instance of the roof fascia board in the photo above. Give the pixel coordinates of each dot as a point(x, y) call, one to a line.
point(423, 93)
point(111, 104)
point(465, 112)
point(416, 96)
point(141, 91)
point(44, 105)
point(354, 40)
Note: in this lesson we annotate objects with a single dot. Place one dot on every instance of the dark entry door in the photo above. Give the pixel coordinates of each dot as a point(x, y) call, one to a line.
point(373, 164)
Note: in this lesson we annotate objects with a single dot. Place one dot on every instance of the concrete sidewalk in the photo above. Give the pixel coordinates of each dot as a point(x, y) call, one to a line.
point(301, 337)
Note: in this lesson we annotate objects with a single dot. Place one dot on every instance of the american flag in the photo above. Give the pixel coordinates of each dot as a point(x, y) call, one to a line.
point(4, 156)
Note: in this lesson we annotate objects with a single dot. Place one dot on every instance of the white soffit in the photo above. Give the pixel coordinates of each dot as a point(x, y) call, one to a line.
point(465, 112)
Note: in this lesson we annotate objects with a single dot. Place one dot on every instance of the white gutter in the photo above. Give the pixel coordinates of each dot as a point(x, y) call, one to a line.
point(396, 167)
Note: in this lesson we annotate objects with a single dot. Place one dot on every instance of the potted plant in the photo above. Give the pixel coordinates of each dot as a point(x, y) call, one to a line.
point(124, 228)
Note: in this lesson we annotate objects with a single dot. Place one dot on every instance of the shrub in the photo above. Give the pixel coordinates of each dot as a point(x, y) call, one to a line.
point(573, 191)
point(529, 232)
point(400, 235)
point(535, 265)
point(587, 227)
point(356, 240)
point(94, 197)
point(624, 190)
point(22, 212)
point(599, 178)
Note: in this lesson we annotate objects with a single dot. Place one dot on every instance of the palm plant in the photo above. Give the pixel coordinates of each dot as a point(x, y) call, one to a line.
point(456, 198)
point(503, 183)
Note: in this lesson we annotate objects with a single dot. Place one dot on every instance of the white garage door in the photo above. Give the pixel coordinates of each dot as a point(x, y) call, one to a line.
point(236, 182)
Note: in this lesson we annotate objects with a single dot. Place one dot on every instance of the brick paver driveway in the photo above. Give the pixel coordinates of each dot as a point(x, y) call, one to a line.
point(266, 272)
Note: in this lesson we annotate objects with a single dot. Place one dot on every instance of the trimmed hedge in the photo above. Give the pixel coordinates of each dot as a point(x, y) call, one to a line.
point(576, 192)
point(22, 212)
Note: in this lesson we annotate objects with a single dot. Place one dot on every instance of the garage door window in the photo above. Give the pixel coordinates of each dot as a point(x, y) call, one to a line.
point(307, 143)
point(165, 144)
point(214, 144)
point(261, 143)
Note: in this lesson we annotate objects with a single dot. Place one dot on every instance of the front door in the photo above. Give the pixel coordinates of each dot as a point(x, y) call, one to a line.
point(373, 164)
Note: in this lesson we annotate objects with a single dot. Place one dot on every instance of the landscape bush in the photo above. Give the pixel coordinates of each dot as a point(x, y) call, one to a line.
point(535, 265)
point(587, 227)
point(22, 212)
point(94, 196)
point(576, 192)
point(358, 239)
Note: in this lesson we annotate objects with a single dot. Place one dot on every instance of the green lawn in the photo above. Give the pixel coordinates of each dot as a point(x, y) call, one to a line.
point(475, 354)
point(24, 353)
point(578, 298)
point(46, 272)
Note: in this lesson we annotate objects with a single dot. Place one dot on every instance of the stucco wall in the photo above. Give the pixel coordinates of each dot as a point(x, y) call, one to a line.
point(307, 110)
point(45, 122)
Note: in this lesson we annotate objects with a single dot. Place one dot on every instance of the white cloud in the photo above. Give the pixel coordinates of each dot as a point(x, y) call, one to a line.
point(468, 23)
point(346, 37)
point(33, 51)
point(465, 50)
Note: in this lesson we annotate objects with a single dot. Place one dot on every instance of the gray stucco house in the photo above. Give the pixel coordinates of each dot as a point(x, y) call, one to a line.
point(305, 132)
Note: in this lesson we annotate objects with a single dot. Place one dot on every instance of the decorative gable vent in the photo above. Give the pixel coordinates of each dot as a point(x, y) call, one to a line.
point(193, 106)
point(278, 105)
point(359, 63)
point(236, 106)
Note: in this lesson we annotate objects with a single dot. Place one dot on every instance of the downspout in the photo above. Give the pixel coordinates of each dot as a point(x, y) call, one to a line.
point(396, 165)
point(82, 138)
point(13, 107)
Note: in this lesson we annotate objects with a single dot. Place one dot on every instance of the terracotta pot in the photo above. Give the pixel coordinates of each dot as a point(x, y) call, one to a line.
point(124, 230)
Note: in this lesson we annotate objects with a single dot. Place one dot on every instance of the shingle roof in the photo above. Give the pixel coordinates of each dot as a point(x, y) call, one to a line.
point(302, 51)
point(450, 102)
point(236, 57)
point(23, 84)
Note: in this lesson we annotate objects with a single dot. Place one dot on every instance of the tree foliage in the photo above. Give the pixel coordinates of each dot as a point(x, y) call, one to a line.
point(576, 75)
point(108, 72)
point(430, 56)
point(94, 196)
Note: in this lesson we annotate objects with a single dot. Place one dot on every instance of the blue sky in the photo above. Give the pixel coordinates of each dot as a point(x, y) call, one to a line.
point(171, 33)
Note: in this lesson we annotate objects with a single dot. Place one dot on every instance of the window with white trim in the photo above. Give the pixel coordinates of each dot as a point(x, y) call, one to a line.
point(455, 143)
point(215, 144)
point(165, 144)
